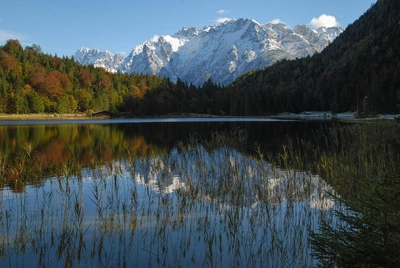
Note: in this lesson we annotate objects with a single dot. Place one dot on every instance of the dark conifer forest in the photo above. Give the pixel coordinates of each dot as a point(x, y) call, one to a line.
point(363, 62)
point(360, 68)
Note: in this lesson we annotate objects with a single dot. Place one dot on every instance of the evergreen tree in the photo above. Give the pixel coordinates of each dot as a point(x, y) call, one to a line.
point(370, 233)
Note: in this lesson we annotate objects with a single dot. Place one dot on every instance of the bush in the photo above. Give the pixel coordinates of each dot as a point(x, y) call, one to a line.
point(89, 113)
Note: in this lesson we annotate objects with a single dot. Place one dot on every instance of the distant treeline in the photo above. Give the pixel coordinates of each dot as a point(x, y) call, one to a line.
point(359, 71)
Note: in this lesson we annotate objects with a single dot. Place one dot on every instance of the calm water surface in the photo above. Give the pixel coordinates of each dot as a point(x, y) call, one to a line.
point(157, 193)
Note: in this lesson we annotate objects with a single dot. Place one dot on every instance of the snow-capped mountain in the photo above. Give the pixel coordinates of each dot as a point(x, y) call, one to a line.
point(221, 52)
point(98, 58)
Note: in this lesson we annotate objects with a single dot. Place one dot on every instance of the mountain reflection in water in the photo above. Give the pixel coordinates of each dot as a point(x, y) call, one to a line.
point(144, 204)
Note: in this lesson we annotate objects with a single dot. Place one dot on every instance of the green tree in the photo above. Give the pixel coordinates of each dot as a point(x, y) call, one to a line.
point(21, 103)
point(83, 97)
point(49, 106)
point(365, 110)
point(66, 104)
point(35, 102)
point(3, 92)
point(14, 48)
point(369, 235)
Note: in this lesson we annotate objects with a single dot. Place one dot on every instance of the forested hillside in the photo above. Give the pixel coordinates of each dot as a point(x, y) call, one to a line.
point(32, 82)
point(360, 68)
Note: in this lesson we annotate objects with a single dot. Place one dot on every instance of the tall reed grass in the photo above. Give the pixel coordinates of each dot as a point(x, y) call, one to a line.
point(361, 162)
point(204, 203)
point(346, 154)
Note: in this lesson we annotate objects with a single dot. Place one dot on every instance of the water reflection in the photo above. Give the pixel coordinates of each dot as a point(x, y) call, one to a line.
point(193, 206)
point(108, 195)
point(50, 146)
point(214, 174)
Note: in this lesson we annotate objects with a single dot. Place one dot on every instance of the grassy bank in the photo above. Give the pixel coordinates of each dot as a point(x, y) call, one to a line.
point(4, 117)
point(283, 116)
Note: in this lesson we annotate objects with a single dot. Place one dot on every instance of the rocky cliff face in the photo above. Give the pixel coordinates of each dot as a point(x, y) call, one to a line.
point(221, 52)
point(98, 58)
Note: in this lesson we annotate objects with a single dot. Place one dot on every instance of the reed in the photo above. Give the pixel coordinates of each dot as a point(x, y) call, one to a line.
point(203, 203)
point(362, 163)
point(346, 154)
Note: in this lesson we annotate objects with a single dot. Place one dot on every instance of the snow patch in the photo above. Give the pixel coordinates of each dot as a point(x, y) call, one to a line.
point(221, 52)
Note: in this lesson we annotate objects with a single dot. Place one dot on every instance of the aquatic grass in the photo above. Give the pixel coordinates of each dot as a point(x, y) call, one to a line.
point(195, 205)
point(345, 154)
point(356, 160)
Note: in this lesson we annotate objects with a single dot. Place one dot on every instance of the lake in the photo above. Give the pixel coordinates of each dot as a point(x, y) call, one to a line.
point(157, 192)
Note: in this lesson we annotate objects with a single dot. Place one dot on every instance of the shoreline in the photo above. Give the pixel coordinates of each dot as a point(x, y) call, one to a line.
point(11, 117)
point(284, 116)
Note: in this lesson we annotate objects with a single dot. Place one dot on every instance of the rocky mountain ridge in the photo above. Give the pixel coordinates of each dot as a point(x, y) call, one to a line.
point(221, 52)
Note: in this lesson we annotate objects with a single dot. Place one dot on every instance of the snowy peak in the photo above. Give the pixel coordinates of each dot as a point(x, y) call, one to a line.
point(307, 33)
point(98, 58)
point(187, 33)
point(331, 32)
point(221, 52)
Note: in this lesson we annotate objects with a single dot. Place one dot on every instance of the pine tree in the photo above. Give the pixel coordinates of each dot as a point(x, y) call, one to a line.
point(369, 235)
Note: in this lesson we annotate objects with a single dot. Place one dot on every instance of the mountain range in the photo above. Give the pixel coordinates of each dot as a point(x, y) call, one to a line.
point(221, 52)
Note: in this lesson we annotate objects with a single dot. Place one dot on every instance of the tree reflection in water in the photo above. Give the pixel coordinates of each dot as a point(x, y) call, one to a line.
point(133, 203)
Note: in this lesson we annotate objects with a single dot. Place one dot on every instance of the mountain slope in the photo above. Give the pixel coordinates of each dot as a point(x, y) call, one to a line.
point(359, 71)
point(221, 52)
point(106, 59)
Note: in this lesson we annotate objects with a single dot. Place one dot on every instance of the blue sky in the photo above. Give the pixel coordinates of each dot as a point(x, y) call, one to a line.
point(61, 27)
